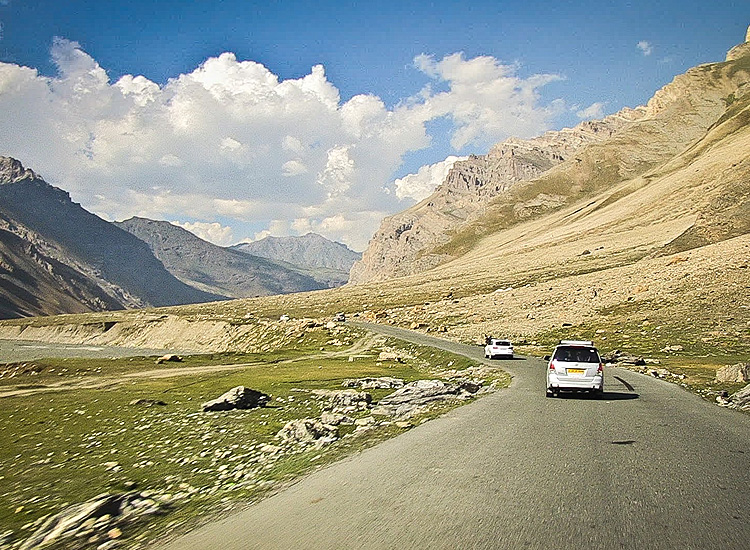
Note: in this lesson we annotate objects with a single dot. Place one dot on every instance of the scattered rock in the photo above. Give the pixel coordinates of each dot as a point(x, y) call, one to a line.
point(345, 400)
point(237, 398)
point(335, 419)
point(734, 373)
point(390, 356)
point(307, 430)
point(383, 382)
point(617, 357)
point(667, 349)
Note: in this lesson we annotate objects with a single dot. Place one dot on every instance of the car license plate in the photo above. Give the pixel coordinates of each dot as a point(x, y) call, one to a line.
point(576, 371)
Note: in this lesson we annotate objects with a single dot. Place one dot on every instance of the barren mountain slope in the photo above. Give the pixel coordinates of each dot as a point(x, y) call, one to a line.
point(674, 119)
point(659, 255)
point(63, 234)
point(398, 247)
point(37, 277)
point(622, 256)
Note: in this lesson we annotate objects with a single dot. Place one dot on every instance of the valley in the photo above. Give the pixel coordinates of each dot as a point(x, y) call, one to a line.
point(632, 232)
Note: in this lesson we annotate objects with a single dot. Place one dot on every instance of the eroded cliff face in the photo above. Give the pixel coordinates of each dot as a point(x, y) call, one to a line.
point(519, 179)
point(399, 246)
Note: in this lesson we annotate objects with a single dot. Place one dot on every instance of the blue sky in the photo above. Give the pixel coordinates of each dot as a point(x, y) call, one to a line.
point(385, 100)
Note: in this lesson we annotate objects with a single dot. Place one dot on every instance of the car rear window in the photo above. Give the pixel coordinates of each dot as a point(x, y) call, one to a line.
point(578, 355)
point(501, 343)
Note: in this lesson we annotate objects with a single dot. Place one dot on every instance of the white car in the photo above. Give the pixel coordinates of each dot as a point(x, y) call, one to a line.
point(575, 365)
point(498, 348)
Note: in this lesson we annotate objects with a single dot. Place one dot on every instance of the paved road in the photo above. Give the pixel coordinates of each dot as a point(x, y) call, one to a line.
point(646, 466)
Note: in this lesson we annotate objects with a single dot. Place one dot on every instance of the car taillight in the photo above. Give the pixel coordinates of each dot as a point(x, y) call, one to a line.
point(551, 366)
point(601, 368)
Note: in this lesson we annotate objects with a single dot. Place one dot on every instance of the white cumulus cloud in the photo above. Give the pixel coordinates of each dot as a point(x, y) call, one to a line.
point(645, 47)
point(232, 140)
point(486, 100)
point(593, 111)
point(212, 232)
point(422, 184)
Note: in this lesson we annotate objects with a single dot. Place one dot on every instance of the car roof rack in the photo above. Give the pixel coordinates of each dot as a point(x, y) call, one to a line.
point(577, 343)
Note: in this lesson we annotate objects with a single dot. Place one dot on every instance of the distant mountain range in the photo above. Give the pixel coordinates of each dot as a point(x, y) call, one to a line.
point(324, 260)
point(56, 257)
point(215, 269)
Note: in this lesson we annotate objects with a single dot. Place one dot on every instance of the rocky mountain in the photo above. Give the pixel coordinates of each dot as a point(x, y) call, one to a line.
point(650, 262)
point(521, 179)
point(55, 257)
point(215, 269)
point(38, 277)
point(320, 258)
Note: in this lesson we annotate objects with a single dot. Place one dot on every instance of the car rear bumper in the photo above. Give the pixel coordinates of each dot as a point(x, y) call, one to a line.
point(555, 381)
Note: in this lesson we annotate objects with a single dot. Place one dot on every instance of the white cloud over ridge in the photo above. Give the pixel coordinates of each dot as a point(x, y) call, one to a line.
point(231, 140)
point(421, 185)
point(593, 111)
point(212, 232)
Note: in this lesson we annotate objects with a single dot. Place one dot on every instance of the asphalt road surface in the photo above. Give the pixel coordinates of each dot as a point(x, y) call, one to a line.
point(647, 465)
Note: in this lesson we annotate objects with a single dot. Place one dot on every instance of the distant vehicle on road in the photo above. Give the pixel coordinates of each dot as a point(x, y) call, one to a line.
point(575, 365)
point(498, 348)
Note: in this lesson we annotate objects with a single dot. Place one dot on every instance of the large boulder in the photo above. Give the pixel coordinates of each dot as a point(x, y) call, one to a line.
point(734, 373)
point(102, 515)
point(416, 397)
point(237, 398)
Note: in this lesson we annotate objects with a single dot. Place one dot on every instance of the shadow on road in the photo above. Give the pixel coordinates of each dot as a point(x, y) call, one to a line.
point(606, 396)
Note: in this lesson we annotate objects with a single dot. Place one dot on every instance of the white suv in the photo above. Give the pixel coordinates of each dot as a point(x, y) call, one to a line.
point(498, 348)
point(575, 365)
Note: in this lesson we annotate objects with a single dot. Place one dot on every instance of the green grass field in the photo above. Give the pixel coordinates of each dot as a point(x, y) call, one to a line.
point(67, 446)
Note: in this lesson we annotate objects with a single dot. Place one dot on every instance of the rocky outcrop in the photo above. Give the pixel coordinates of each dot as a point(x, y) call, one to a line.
point(382, 382)
point(397, 247)
point(740, 50)
point(522, 179)
point(414, 397)
point(237, 398)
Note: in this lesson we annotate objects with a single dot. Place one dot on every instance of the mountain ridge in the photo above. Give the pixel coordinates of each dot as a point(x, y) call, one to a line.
point(325, 260)
point(107, 262)
point(442, 227)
